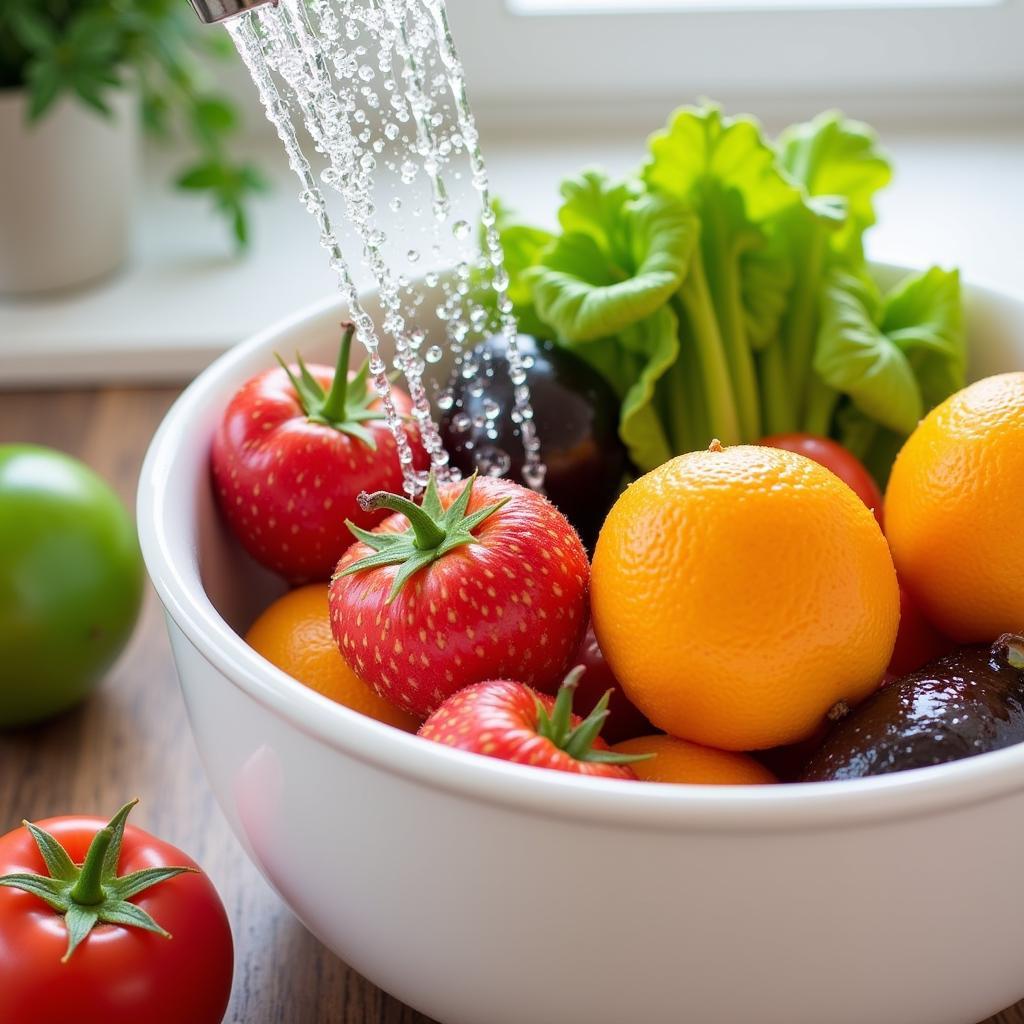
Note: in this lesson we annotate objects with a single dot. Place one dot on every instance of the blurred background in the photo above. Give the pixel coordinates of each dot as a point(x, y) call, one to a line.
point(147, 218)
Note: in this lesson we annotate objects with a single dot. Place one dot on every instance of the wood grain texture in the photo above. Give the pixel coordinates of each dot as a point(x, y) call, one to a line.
point(132, 739)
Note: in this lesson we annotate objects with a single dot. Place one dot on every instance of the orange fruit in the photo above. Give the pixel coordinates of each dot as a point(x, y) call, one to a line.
point(294, 634)
point(740, 593)
point(955, 511)
point(679, 761)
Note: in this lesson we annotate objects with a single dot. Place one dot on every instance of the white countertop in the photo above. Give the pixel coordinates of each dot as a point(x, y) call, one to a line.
point(957, 200)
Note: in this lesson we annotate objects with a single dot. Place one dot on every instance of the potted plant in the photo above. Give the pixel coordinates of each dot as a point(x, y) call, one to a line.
point(75, 77)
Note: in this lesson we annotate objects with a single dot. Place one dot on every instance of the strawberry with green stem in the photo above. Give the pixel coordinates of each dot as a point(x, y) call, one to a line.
point(484, 580)
point(293, 451)
point(510, 721)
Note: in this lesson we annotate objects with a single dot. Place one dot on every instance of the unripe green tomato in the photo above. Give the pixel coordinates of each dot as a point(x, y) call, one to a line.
point(70, 582)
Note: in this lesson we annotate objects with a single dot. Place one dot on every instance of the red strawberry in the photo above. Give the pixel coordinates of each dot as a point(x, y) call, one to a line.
point(625, 719)
point(489, 581)
point(291, 455)
point(512, 722)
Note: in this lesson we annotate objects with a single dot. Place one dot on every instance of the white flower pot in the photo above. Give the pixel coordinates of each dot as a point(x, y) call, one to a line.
point(67, 186)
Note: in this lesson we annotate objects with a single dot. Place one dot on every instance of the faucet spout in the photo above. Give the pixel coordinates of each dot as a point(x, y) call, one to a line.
point(212, 11)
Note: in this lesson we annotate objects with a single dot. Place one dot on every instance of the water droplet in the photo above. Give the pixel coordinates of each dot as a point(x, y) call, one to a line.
point(413, 255)
point(533, 476)
point(491, 408)
point(492, 461)
point(434, 354)
point(461, 229)
point(461, 423)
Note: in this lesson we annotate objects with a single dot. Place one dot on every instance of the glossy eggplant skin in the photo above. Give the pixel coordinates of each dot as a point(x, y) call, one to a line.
point(576, 414)
point(966, 703)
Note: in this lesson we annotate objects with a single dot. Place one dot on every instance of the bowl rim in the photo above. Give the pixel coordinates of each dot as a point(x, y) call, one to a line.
point(170, 551)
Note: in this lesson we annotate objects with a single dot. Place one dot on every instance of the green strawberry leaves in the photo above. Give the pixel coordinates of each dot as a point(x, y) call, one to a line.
point(433, 531)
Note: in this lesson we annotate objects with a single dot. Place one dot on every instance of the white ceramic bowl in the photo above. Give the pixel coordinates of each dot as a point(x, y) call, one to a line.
point(482, 892)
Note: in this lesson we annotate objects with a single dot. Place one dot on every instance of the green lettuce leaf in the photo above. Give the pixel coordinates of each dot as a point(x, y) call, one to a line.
point(701, 153)
point(727, 172)
point(839, 166)
point(924, 318)
point(523, 246)
point(856, 357)
point(624, 257)
point(895, 357)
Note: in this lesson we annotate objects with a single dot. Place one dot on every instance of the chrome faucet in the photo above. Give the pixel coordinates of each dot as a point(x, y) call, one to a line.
point(212, 11)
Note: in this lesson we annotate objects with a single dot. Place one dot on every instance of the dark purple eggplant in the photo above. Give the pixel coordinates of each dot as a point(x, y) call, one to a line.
point(966, 703)
point(576, 414)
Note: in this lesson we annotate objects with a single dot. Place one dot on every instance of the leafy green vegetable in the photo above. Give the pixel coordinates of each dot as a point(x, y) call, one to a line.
point(724, 292)
point(894, 358)
point(838, 164)
point(613, 271)
point(855, 356)
point(88, 49)
point(838, 167)
point(623, 258)
point(726, 170)
point(522, 246)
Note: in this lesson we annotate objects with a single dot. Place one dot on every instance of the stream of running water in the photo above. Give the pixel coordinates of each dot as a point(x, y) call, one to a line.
point(377, 89)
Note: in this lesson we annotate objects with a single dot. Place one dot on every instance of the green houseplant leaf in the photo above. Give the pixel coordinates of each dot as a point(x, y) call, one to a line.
point(89, 49)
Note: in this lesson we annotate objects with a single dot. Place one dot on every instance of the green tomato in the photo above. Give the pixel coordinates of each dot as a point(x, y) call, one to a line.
point(70, 582)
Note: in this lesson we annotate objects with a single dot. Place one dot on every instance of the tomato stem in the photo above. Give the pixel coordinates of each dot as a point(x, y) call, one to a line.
point(335, 406)
point(88, 890)
point(93, 893)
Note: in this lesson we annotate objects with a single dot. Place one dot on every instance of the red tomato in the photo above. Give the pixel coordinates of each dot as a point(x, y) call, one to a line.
point(836, 458)
point(118, 974)
point(917, 641)
point(625, 721)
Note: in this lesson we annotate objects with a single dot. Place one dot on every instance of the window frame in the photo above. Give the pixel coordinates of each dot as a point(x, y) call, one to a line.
point(952, 59)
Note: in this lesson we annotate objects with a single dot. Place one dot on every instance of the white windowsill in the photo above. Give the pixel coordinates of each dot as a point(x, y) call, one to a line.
point(957, 200)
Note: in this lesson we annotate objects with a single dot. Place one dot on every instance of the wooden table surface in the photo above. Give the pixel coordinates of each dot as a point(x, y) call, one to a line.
point(132, 739)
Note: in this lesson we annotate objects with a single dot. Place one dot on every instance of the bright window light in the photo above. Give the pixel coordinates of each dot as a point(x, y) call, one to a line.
point(533, 7)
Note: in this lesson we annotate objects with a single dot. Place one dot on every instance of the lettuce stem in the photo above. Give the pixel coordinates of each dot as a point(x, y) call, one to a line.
point(820, 408)
point(800, 326)
point(695, 299)
point(727, 297)
point(684, 411)
point(776, 401)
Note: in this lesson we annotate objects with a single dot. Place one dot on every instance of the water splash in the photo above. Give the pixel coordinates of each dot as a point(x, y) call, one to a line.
point(379, 90)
